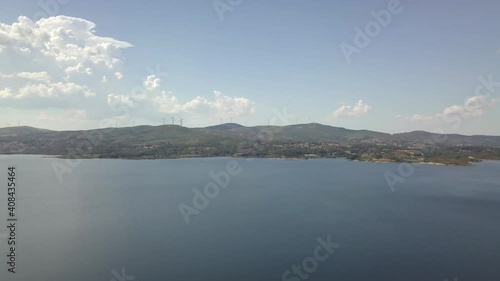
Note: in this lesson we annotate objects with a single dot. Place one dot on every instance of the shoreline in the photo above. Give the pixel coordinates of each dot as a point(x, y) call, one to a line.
point(88, 157)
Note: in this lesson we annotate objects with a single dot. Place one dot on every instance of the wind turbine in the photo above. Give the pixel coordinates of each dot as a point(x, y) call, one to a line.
point(173, 121)
point(181, 120)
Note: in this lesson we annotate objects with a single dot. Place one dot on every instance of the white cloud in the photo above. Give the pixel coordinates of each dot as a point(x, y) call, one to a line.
point(79, 68)
point(116, 100)
point(196, 103)
point(474, 106)
point(358, 109)
point(167, 104)
point(35, 76)
point(76, 61)
point(232, 105)
point(68, 40)
point(118, 75)
point(68, 50)
point(6, 93)
point(53, 90)
point(222, 105)
point(151, 82)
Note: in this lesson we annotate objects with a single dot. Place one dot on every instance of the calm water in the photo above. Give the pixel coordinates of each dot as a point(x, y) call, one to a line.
point(442, 222)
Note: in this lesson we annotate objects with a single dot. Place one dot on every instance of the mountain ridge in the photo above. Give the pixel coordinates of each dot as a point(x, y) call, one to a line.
point(231, 139)
point(233, 125)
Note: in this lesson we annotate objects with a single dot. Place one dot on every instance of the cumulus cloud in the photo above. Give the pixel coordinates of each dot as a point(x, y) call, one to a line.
point(474, 106)
point(48, 90)
point(232, 105)
point(118, 75)
point(66, 48)
point(78, 69)
point(42, 76)
point(57, 91)
point(152, 82)
point(118, 100)
point(6, 93)
point(53, 90)
point(222, 105)
point(62, 62)
point(357, 109)
point(147, 102)
point(67, 40)
point(168, 104)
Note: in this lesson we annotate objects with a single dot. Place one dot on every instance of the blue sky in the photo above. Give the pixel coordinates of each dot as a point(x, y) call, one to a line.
point(420, 71)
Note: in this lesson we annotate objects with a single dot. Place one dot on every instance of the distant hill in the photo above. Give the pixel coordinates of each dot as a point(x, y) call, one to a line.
point(227, 126)
point(449, 139)
point(232, 132)
point(19, 131)
point(223, 140)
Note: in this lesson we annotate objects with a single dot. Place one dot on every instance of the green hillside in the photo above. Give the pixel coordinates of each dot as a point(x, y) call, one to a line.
point(294, 141)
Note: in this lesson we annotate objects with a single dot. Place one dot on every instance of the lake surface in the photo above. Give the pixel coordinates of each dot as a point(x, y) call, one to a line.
point(112, 215)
